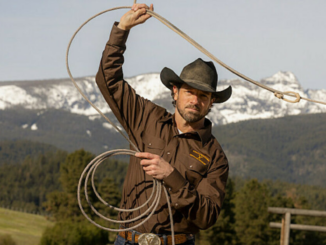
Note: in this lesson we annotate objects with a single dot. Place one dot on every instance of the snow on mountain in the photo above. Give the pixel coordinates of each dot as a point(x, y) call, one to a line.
point(149, 86)
point(247, 102)
point(251, 102)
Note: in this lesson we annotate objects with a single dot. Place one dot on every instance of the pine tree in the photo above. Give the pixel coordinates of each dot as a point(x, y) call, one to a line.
point(63, 205)
point(252, 218)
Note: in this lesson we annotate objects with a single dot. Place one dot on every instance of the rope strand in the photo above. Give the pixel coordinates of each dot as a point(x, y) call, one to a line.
point(204, 51)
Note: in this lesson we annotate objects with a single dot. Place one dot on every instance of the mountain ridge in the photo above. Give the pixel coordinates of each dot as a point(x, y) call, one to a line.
point(247, 102)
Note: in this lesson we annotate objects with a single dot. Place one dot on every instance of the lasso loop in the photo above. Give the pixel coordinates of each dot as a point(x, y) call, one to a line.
point(289, 93)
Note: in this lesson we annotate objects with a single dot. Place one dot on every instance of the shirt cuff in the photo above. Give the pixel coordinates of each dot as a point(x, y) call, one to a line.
point(118, 36)
point(175, 181)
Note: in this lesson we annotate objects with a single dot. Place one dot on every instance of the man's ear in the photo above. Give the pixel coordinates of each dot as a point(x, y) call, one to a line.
point(212, 101)
point(175, 92)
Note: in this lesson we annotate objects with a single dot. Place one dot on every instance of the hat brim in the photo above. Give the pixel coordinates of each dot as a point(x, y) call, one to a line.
point(169, 78)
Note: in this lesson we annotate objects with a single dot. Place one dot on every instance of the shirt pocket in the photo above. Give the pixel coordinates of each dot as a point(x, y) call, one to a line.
point(195, 171)
point(152, 144)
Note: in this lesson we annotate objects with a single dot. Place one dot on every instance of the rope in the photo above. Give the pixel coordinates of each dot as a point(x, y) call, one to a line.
point(92, 166)
point(277, 93)
point(91, 169)
point(157, 185)
point(157, 190)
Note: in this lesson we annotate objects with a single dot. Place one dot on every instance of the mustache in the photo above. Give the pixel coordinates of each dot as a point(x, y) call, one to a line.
point(193, 107)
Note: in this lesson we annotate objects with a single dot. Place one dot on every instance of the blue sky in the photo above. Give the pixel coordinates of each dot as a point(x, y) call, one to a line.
point(257, 38)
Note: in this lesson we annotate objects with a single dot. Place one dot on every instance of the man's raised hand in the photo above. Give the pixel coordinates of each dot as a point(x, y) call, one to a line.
point(137, 15)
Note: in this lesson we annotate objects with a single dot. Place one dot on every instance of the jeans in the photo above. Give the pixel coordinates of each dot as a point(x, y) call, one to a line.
point(121, 241)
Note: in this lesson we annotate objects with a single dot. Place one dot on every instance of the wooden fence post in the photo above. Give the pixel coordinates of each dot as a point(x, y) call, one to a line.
point(285, 231)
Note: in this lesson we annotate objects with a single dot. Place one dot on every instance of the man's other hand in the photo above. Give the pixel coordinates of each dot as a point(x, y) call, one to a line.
point(137, 15)
point(154, 165)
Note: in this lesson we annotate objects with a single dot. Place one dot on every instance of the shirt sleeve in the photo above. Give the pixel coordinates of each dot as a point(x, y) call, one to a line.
point(129, 108)
point(200, 204)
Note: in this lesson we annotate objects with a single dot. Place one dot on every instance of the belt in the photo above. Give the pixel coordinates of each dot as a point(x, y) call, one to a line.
point(179, 238)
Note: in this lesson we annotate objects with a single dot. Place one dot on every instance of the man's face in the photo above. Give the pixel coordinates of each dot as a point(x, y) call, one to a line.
point(192, 104)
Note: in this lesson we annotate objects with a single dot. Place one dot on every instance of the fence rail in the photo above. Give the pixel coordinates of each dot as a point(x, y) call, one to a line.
point(299, 227)
point(286, 221)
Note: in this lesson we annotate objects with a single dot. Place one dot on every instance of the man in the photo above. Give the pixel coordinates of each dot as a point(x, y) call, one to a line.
point(178, 149)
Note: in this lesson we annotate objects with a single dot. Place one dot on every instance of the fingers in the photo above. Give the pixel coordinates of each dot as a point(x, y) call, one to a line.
point(149, 162)
point(137, 15)
point(142, 16)
point(140, 13)
point(154, 165)
point(150, 167)
point(137, 6)
point(148, 159)
point(153, 171)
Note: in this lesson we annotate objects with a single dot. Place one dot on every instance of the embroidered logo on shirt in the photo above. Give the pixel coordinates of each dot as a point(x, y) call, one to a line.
point(200, 157)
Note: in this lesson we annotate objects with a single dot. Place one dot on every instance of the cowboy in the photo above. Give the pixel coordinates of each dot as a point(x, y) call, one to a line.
point(177, 149)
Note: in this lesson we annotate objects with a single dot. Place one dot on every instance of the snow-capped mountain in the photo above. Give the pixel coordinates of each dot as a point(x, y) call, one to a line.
point(247, 102)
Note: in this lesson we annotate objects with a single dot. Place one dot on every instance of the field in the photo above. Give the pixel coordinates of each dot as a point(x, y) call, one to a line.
point(24, 228)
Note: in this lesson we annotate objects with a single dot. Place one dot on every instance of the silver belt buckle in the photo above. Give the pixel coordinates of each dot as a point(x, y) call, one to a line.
point(149, 239)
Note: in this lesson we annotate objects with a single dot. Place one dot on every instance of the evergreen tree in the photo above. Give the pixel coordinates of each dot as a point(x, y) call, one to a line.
point(108, 190)
point(63, 205)
point(252, 218)
point(72, 168)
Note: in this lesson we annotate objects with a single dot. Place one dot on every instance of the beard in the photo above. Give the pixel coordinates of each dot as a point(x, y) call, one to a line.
point(191, 116)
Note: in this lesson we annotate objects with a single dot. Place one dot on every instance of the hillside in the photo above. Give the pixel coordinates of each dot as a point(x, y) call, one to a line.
point(24, 228)
point(59, 128)
point(291, 148)
point(12, 152)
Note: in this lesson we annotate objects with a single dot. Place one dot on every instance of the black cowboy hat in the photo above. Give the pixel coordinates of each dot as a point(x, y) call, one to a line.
point(199, 75)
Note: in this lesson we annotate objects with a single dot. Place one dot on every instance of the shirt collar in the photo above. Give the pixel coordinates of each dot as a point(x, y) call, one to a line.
point(204, 133)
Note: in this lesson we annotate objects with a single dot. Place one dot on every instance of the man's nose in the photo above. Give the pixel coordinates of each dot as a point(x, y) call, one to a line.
point(194, 99)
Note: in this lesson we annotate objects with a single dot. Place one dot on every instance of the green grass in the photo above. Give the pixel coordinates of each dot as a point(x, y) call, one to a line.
point(25, 229)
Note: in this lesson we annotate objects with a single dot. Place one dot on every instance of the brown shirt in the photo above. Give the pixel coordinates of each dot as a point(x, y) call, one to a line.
point(196, 186)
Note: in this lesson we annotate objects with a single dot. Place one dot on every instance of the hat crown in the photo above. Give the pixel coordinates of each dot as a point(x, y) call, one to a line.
point(200, 72)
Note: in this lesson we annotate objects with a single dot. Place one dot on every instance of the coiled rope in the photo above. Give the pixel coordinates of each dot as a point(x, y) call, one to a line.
point(91, 169)
point(157, 185)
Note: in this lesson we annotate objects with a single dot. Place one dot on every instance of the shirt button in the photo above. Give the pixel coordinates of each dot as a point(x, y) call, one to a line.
point(176, 204)
point(168, 153)
point(149, 143)
point(190, 166)
point(170, 189)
